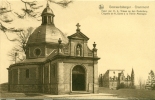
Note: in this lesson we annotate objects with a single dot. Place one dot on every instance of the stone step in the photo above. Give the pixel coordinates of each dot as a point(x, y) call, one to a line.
point(79, 92)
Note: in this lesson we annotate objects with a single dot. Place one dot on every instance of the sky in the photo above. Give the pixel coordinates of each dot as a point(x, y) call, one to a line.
point(123, 41)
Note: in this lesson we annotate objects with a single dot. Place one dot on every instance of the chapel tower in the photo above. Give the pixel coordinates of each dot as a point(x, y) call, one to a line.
point(132, 78)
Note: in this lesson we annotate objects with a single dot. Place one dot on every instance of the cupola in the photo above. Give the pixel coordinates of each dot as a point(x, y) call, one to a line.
point(47, 16)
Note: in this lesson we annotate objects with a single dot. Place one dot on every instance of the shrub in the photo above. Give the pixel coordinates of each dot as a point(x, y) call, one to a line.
point(122, 85)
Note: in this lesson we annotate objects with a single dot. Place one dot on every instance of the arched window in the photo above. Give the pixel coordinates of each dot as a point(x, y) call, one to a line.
point(78, 50)
point(78, 70)
point(27, 73)
point(46, 71)
point(49, 19)
point(54, 71)
point(45, 19)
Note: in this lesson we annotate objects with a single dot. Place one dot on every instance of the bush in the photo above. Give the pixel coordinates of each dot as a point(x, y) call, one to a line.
point(133, 87)
point(153, 87)
point(120, 86)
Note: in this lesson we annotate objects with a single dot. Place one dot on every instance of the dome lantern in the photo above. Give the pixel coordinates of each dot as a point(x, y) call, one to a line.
point(47, 15)
point(46, 33)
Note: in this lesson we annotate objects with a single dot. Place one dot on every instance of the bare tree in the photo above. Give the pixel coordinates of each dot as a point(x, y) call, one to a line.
point(30, 9)
point(63, 3)
point(6, 11)
point(18, 52)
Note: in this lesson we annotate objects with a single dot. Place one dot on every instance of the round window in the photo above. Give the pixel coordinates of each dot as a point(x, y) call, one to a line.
point(37, 52)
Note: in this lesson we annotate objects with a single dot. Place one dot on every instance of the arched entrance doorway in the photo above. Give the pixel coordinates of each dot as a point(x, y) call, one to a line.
point(78, 78)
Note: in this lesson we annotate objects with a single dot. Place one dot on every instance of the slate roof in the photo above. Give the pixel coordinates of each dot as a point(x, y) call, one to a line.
point(40, 60)
point(48, 34)
point(33, 60)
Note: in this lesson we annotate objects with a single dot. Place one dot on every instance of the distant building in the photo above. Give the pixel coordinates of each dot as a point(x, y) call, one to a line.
point(115, 79)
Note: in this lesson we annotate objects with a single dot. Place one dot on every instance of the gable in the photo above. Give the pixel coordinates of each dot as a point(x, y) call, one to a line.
point(78, 35)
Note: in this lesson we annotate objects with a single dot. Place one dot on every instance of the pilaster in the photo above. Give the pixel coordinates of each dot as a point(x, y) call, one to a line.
point(60, 77)
point(18, 76)
point(96, 78)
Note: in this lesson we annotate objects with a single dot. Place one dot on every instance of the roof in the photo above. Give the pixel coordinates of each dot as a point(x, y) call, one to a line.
point(52, 54)
point(132, 71)
point(33, 60)
point(48, 34)
point(115, 69)
point(78, 35)
point(47, 10)
point(40, 60)
point(114, 72)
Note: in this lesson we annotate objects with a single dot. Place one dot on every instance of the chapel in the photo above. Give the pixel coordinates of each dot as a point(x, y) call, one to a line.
point(55, 64)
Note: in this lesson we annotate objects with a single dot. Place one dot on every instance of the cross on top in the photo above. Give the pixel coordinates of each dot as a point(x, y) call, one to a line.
point(47, 4)
point(78, 25)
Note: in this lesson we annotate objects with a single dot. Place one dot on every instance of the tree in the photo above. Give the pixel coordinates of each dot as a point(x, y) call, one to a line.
point(30, 9)
point(6, 11)
point(121, 85)
point(141, 83)
point(151, 81)
point(18, 52)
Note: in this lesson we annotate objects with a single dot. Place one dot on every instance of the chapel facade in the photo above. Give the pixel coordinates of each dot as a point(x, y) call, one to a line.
point(54, 63)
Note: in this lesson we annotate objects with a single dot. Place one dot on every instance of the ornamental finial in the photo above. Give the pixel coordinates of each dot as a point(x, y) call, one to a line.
point(94, 45)
point(78, 25)
point(47, 4)
point(59, 41)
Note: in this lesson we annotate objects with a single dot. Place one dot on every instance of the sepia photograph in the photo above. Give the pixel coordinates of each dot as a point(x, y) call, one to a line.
point(77, 49)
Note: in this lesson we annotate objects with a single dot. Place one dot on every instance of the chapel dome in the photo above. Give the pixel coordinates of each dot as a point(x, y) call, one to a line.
point(47, 32)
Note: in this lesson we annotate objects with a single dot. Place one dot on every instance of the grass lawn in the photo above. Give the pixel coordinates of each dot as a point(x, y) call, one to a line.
point(130, 93)
point(121, 93)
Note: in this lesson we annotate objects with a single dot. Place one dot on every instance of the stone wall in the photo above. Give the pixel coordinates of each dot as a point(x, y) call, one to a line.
point(104, 79)
point(50, 78)
point(113, 84)
point(19, 81)
point(26, 88)
point(53, 77)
